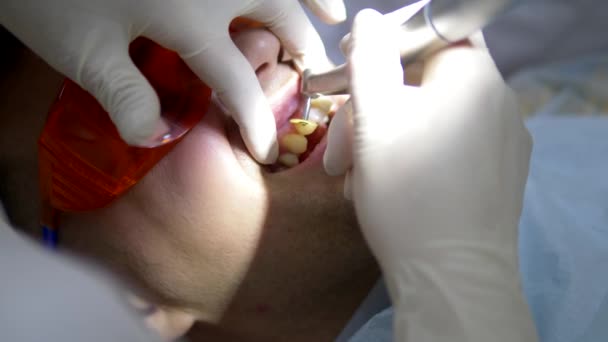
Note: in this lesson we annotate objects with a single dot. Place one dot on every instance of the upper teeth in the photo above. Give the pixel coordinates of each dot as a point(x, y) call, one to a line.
point(318, 115)
point(324, 103)
point(304, 127)
point(320, 108)
point(296, 143)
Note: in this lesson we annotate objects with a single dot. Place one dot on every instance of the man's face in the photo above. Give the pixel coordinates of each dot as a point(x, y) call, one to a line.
point(211, 231)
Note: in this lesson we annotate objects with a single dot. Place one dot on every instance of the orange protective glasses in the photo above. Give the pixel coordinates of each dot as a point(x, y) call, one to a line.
point(83, 162)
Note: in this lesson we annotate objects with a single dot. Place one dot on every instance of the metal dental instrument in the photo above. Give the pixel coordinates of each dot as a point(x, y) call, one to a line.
point(307, 98)
point(427, 27)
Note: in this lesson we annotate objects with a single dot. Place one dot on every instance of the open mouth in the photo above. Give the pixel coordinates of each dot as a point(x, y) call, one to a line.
point(300, 142)
point(299, 139)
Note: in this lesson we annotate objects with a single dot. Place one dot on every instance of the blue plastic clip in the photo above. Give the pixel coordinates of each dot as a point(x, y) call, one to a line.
point(50, 237)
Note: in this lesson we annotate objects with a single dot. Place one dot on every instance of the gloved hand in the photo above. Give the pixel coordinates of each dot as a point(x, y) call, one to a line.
point(87, 40)
point(437, 174)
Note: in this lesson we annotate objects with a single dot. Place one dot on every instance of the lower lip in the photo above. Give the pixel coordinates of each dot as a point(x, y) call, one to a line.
point(314, 158)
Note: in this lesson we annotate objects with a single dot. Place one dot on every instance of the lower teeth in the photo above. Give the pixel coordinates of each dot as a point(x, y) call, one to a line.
point(296, 144)
point(289, 159)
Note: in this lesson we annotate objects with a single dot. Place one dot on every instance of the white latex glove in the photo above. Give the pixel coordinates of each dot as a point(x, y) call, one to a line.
point(78, 302)
point(437, 178)
point(87, 40)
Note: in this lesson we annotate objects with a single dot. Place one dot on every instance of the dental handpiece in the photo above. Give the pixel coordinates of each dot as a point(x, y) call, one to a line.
point(438, 24)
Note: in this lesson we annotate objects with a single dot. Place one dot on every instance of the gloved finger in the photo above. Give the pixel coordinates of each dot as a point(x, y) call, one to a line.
point(376, 74)
point(295, 31)
point(412, 73)
point(461, 69)
point(211, 54)
point(345, 44)
point(112, 78)
point(348, 185)
point(397, 17)
point(338, 156)
point(403, 14)
point(478, 40)
point(224, 68)
point(329, 11)
point(461, 76)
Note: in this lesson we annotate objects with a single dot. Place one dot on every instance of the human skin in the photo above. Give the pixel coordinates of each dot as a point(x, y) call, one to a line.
point(210, 235)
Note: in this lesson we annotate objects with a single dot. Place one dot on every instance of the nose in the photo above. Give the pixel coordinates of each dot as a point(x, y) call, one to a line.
point(262, 49)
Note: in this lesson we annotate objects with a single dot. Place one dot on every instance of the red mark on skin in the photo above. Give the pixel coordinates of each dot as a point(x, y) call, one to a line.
point(262, 308)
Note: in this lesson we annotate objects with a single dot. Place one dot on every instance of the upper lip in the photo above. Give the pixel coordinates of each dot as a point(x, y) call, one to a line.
point(286, 100)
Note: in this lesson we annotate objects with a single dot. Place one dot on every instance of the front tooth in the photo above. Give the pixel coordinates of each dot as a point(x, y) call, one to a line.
point(318, 116)
point(304, 127)
point(324, 103)
point(289, 159)
point(294, 143)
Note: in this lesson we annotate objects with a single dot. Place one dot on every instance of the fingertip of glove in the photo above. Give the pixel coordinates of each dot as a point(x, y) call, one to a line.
point(348, 186)
point(328, 165)
point(140, 124)
point(366, 26)
point(256, 123)
point(332, 160)
point(161, 134)
point(329, 11)
point(131, 102)
point(263, 147)
point(366, 15)
point(478, 40)
point(345, 44)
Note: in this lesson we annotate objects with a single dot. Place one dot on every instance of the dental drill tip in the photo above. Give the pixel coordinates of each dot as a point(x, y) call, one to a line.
point(304, 81)
point(306, 111)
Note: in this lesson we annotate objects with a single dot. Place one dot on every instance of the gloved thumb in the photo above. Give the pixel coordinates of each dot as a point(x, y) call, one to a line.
point(127, 96)
point(376, 78)
point(338, 156)
point(330, 11)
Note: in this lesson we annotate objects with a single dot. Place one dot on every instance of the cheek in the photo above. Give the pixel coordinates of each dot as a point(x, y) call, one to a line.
point(201, 193)
point(203, 180)
point(206, 221)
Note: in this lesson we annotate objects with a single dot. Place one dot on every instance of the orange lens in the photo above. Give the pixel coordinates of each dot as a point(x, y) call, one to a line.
point(84, 164)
